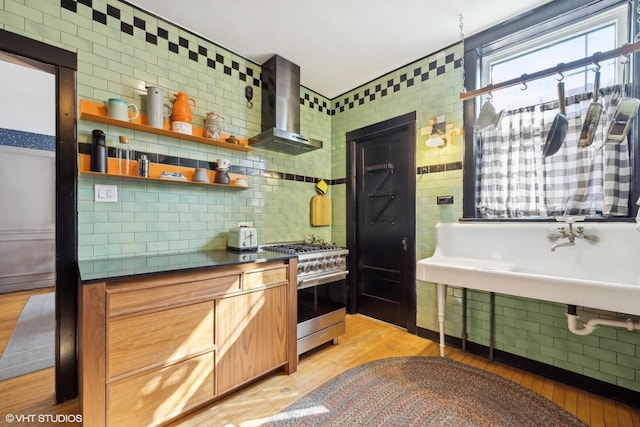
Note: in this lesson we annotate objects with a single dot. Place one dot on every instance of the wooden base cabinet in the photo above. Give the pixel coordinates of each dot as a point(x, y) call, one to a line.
point(155, 347)
point(262, 342)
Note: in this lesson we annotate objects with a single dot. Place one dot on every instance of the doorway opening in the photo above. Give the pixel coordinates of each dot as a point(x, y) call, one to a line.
point(61, 259)
point(381, 220)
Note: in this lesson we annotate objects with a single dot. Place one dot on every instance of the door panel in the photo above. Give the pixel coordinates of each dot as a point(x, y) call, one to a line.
point(383, 166)
point(382, 283)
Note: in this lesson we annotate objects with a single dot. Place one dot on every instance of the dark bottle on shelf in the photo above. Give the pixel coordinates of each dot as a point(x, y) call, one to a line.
point(98, 152)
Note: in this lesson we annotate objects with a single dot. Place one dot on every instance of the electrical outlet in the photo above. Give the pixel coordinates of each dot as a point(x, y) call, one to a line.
point(245, 223)
point(105, 193)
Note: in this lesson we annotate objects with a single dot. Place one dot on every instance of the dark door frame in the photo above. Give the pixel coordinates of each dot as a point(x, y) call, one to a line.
point(65, 64)
point(408, 119)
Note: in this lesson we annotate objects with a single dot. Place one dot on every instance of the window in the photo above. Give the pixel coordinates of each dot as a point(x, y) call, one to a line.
point(505, 168)
point(600, 34)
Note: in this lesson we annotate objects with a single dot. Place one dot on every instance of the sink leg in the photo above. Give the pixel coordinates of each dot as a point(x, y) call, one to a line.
point(442, 299)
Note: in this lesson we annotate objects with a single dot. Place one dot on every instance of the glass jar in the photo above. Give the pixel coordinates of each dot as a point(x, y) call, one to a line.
point(124, 154)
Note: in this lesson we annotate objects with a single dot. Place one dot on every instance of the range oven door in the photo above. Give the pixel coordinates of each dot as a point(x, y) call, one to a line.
point(317, 297)
point(321, 312)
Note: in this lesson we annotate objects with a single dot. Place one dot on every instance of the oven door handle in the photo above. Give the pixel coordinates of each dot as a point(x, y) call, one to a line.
point(334, 277)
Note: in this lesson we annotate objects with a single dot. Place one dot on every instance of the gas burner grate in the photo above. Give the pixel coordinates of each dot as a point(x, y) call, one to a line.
point(294, 249)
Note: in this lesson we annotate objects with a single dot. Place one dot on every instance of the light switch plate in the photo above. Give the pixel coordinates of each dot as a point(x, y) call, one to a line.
point(105, 193)
point(444, 200)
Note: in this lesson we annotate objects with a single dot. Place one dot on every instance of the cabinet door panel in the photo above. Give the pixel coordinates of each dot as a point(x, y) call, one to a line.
point(158, 395)
point(251, 335)
point(156, 338)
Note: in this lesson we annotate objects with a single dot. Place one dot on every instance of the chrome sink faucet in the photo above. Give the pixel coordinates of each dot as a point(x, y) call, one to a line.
point(571, 236)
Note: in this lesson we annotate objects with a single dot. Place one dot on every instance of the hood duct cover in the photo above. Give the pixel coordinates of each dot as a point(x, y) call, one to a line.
point(281, 110)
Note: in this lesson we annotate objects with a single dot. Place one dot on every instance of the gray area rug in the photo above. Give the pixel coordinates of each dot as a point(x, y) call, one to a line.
point(31, 346)
point(421, 391)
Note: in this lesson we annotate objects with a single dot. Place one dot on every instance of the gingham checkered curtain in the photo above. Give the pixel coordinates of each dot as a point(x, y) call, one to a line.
point(515, 181)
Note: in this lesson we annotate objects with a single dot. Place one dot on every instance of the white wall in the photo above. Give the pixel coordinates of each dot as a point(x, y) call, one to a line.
point(28, 97)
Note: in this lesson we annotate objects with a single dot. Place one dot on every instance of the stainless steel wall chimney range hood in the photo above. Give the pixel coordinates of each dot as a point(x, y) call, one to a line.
point(281, 109)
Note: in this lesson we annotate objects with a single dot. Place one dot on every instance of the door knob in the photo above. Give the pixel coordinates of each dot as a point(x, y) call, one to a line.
point(404, 244)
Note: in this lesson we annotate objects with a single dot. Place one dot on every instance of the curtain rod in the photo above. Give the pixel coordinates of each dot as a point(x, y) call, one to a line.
point(593, 59)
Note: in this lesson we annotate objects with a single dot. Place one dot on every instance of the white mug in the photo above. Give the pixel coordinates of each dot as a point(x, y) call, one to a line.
point(119, 109)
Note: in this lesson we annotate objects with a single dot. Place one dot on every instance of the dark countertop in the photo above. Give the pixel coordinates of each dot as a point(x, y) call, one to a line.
point(96, 270)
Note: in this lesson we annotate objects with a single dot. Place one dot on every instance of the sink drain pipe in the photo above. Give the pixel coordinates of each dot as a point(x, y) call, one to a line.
point(578, 327)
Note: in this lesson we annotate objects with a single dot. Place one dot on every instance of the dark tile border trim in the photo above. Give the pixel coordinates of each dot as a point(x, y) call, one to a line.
point(405, 80)
point(197, 53)
point(85, 148)
point(443, 167)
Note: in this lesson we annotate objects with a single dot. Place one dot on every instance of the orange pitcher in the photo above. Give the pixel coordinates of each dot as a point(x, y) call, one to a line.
point(181, 108)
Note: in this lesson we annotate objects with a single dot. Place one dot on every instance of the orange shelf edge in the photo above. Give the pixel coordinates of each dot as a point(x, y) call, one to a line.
point(155, 170)
point(97, 112)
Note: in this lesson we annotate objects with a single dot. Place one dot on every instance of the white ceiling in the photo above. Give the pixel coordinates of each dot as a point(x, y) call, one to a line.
point(338, 44)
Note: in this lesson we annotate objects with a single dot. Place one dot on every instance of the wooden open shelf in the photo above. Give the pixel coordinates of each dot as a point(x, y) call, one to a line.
point(97, 112)
point(155, 170)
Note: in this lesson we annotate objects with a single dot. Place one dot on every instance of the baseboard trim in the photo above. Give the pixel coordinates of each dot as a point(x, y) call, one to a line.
point(592, 385)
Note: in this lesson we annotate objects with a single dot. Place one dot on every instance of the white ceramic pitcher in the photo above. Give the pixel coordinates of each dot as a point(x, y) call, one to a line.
point(213, 125)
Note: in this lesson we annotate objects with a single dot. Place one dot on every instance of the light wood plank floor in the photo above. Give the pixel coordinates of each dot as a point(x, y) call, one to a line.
point(366, 339)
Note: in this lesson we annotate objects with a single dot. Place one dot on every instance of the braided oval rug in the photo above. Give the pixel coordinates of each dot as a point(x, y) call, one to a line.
point(421, 391)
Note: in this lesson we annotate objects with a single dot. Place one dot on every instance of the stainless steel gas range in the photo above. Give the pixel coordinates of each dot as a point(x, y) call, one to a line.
point(322, 291)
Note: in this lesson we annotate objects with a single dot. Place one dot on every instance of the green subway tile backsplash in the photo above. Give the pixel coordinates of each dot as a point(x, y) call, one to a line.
point(121, 50)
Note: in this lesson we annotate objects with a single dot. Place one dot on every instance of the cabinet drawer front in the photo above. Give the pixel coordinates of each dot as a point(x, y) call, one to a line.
point(143, 340)
point(161, 296)
point(261, 278)
point(161, 394)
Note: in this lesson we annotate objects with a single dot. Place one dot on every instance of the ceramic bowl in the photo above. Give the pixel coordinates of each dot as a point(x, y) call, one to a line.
point(241, 182)
point(200, 175)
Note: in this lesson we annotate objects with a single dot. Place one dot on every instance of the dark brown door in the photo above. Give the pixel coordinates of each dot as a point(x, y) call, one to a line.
point(383, 220)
